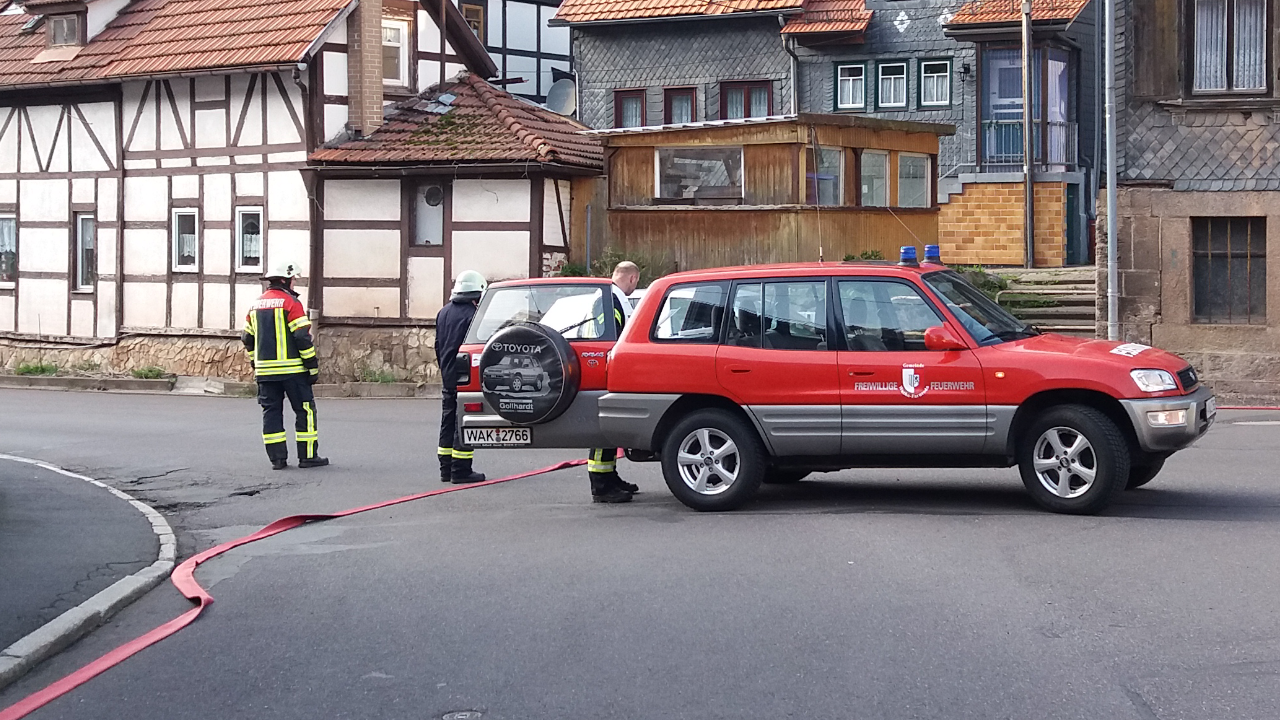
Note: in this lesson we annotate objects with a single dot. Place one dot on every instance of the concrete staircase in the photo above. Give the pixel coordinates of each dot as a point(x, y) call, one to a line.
point(1062, 300)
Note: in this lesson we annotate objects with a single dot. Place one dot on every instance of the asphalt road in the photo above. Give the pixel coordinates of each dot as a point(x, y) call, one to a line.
point(61, 541)
point(864, 594)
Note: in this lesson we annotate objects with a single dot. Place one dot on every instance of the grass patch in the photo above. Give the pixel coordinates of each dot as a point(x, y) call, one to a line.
point(376, 376)
point(88, 366)
point(651, 267)
point(37, 368)
point(865, 255)
point(147, 373)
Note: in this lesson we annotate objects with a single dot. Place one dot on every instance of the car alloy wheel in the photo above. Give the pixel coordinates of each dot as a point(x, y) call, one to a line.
point(517, 384)
point(1065, 463)
point(709, 461)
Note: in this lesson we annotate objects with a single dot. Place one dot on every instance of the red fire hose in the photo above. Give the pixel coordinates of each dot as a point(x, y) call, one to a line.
point(184, 579)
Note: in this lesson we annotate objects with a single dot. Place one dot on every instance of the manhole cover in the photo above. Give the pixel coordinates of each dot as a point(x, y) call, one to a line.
point(462, 715)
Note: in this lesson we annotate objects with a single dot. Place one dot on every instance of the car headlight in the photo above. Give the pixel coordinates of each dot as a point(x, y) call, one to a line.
point(1153, 380)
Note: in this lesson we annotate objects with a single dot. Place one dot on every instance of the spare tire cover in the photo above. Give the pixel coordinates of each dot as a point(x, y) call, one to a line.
point(529, 374)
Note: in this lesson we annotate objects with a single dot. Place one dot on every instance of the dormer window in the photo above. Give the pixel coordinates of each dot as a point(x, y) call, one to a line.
point(64, 30)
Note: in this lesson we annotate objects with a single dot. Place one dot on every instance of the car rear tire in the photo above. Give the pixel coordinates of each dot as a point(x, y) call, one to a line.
point(1140, 475)
point(1074, 460)
point(783, 476)
point(517, 383)
point(713, 460)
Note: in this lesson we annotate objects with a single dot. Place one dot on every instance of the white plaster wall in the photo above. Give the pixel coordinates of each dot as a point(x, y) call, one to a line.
point(82, 190)
point(216, 161)
point(452, 69)
point(426, 286)
point(106, 251)
point(217, 251)
point(46, 140)
point(146, 198)
point(146, 252)
point(491, 200)
point(361, 302)
point(106, 309)
point(246, 295)
point(211, 128)
point(286, 196)
point(335, 73)
point(6, 313)
point(44, 200)
point(144, 131)
point(335, 120)
point(186, 305)
point(429, 73)
point(217, 306)
point(211, 88)
point(100, 14)
point(174, 127)
point(291, 156)
point(107, 199)
point(496, 255)
point(553, 232)
point(249, 184)
point(361, 200)
point(42, 307)
point(251, 134)
point(291, 245)
point(362, 254)
point(186, 187)
point(9, 140)
point(8, 191)
point(144, 304)
point(100, 120)
point(217, 197)
point(42, 250)
point(82, 318)
point(280, 126)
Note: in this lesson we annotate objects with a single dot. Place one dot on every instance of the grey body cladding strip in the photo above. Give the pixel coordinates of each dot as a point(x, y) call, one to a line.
point(631, 419)
point(799, 429)
point(924, 429)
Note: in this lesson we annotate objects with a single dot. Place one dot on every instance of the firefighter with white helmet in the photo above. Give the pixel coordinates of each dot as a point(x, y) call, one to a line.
point(452, 323)
point(277, 336)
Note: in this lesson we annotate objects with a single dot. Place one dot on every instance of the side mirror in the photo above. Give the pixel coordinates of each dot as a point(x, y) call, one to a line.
point(941, 338)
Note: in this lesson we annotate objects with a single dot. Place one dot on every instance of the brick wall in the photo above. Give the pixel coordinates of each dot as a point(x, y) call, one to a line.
point(984, 225)
point(364, 66)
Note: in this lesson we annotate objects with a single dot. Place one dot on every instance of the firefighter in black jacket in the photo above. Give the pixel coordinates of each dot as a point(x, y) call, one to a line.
point(452, 323)
point(278, 340)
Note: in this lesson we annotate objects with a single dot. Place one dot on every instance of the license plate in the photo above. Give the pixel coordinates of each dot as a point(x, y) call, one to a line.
point(1211, 407)
point(497, 437)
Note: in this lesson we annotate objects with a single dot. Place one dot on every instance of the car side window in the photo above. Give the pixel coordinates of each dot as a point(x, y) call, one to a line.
point(795, 315)
point(692, 313)
point(746, 327)
point(884, 316)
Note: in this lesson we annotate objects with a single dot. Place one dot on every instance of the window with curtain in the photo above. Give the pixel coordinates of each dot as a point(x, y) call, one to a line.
point(628, 108)
point(678, 106)
point(893, 85)
point(875, 179)
point(745, 100)
point(935, 82)
point(86, 252)
point(185, 244)
point(249, 238)
point(851, 87)
point(1229, 46)
point(395, 52)
point(8, 250)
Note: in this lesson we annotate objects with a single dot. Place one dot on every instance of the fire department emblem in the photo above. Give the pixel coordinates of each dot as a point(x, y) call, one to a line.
point(912, 386)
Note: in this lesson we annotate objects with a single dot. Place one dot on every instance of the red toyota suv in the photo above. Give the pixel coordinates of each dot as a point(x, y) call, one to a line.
point(736, 376)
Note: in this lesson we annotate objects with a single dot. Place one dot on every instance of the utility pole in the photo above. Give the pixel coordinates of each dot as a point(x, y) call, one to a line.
point(1028, 140)
point(1109, 79)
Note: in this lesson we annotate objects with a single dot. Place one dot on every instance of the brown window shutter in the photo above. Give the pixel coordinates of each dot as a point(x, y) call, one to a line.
point(1156, 51)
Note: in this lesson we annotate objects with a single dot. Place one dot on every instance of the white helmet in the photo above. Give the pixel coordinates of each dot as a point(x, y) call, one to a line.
point(284, 269)
point(469, 281)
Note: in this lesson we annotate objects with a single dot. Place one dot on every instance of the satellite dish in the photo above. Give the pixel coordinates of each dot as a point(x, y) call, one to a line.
point(562, 98)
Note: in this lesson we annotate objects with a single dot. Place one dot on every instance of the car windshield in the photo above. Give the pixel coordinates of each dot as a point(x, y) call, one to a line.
point(576, 311)
point(987, 322)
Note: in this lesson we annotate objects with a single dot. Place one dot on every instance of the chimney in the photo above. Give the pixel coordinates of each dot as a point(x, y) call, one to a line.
point(364, 67)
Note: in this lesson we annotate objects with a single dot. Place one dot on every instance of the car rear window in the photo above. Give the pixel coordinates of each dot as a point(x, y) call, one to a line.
point(692, 313)
point(575, 311)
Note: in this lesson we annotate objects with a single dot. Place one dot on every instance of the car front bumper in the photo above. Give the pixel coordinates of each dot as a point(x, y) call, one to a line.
point(1201, 412)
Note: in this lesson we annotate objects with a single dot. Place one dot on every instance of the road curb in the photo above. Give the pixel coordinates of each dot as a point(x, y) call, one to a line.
point(214, 387)
point(55, 635)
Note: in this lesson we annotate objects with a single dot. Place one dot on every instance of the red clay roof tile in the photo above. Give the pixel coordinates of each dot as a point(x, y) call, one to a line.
point(995, 12)
point(826, 16)
point(579, 11)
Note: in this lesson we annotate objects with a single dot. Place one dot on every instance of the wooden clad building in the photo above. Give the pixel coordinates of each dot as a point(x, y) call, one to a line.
point(773, 189)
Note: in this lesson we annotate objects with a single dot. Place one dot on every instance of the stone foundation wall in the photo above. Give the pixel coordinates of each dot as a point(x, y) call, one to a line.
point(1157, 295)
point(347, 354)
point(984, 225)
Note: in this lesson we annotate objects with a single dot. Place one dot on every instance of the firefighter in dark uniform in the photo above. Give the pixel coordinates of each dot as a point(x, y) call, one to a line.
point(602, 464)
point(452, 323)
point(277, 337)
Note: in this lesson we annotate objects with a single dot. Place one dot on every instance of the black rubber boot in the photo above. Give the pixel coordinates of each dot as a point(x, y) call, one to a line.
point(280, 464)
point(604, 489)
point(446, 468)
point(278, 454)
point(618, 482)
point(313, 462)
point(470, 476)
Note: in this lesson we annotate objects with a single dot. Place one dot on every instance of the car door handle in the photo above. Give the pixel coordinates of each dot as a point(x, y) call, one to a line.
point(738, 369)
point(862, 373)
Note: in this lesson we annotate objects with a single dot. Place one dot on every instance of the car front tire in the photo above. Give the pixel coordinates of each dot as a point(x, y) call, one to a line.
point(783, 476)
point(713, 460)
point(1140, 475)
point(1074, 460)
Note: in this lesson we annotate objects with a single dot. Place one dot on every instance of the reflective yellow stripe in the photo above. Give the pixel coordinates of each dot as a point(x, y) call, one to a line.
point(307, 354)
point(301, 322)
point(282, 348)
point(261, 372)
point(444, 451)
point(315, 371)
point(596, 467)
point(307, 436)
point(461, 455)
point(288, 361)
point(274, 438)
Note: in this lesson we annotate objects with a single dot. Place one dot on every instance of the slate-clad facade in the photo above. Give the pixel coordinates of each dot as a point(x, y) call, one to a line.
point(1199, 190)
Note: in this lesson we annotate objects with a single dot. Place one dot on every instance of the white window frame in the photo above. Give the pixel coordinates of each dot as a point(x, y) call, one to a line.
point(880, 77)
point(406, 46)
point(77, 282)
point(241, 210)
point(11, 284)
point(928, 180)
point(173, 238)
point(861, 103)
point(936, 103)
